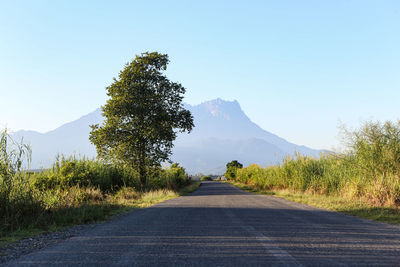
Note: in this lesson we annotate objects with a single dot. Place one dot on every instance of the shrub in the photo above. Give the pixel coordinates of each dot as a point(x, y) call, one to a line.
point(17, 199)
point(68, 172)
point(231, 169)
point(172, 178)
point(72, 197)
point(127, 193)
point(206, 178)
point(369, 169)
point(72, 191)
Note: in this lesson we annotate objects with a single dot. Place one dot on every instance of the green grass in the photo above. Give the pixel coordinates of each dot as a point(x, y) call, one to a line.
point(356, 207)
point(368, 170)
point(94, 212)
point(193, 186)
point(73, 191)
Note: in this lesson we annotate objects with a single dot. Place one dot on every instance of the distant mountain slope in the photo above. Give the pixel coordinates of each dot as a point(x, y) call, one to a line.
point(210, 155)
point(69, 139)
point(222, 133)
point(226, 120)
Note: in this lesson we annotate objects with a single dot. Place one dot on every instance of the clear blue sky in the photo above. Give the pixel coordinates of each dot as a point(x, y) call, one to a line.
point(297, 68)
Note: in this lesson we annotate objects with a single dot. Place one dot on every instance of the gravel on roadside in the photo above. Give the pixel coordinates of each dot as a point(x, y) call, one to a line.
point(31, 244)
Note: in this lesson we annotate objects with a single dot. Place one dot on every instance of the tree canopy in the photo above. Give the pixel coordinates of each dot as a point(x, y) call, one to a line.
point(143, 114)
point(231, 168)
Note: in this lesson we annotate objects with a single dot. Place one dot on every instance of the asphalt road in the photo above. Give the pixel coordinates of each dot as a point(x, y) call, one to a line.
point(220, 225)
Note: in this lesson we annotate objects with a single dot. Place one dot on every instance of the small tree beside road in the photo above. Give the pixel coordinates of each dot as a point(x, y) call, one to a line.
point(231, 168)
point(142, 116)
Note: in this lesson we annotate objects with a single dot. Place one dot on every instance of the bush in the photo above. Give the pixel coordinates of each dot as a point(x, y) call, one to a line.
point(18, 201)
point(126, 193)
point(72, 197)
point(369, 169)
point(231, 169)
point(69, 172)
point(172, 178)
point(206, 178)
point(72, 191)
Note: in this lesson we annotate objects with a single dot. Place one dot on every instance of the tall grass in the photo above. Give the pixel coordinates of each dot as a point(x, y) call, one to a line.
point(74, 190)
point(83, 172)
point(17, 200)
point(369, 169)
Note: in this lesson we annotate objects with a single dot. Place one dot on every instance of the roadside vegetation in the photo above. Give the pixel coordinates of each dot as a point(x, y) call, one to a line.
point(206, 178)
point(74, 191)
point(364, 180)
point(142, 116)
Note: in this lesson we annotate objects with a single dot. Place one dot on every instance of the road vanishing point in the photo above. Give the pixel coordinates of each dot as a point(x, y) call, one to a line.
point(221, 225)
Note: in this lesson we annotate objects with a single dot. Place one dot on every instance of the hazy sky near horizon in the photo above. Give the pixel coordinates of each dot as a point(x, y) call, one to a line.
point(298, 68)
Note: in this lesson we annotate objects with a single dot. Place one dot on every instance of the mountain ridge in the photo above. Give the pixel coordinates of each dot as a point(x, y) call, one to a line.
point(222, 132)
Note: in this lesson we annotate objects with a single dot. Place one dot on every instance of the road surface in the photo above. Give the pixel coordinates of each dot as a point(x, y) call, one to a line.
point(220, 225)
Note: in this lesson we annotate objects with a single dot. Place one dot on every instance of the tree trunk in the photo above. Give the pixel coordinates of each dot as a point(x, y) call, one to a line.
point(143, 178)
point(142, 167)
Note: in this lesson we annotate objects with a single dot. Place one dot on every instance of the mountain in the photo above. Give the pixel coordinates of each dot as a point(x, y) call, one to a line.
point(69, 139)
point(222, 133)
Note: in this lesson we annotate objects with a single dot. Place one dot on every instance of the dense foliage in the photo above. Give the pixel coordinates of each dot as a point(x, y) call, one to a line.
point(231, 168)
point(206, 178)
point(17, 200)
point(68, 172)
point(142, 115)
point(369, 169)
point(72, 191)
point(172, 178)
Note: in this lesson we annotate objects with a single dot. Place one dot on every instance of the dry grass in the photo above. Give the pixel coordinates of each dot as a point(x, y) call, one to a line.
point(357, 207)
point(85, 205)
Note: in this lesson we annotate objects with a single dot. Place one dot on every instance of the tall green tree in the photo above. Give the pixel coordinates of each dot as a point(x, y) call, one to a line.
point(143, 114)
